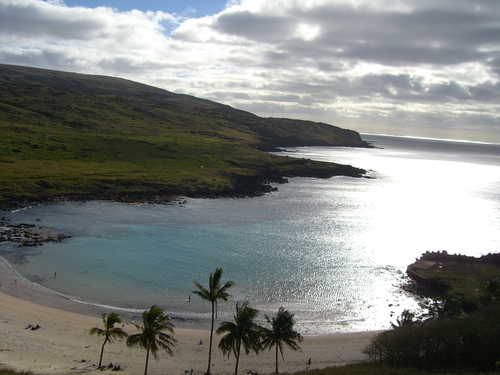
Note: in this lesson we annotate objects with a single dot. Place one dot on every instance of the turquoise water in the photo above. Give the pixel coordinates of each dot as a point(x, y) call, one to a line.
point(331, 251)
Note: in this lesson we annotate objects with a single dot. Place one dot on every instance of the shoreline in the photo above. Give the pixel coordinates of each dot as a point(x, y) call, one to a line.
point(194, 316)
point(63, 346)
point(243, 187)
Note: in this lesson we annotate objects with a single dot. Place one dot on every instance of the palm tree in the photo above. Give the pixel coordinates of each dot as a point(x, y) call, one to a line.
point(214, 293)
point(152, 337)
point(244, 331)
point(110, 332)
point(281, 333)
point(407, 318)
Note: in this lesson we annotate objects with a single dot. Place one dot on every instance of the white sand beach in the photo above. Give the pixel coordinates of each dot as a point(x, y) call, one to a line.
point(63, 345)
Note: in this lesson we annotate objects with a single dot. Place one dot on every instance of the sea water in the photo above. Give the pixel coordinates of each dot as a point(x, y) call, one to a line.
point(332, 251)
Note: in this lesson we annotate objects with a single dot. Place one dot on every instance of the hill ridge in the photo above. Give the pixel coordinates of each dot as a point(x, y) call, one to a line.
point(76, 135)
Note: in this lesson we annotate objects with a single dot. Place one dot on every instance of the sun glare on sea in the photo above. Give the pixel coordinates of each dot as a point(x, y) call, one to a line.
point(424, 205)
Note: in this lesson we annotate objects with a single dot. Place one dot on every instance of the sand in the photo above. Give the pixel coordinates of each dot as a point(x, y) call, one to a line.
point(63, 345)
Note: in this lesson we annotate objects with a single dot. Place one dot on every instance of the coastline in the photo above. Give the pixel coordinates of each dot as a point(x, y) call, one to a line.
point(62, 345)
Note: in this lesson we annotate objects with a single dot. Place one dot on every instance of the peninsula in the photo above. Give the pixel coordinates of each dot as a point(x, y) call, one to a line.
point(68, 136)
point(441, 273)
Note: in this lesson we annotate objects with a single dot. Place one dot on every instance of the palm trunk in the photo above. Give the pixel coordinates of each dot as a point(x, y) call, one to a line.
point(276, 358)
point(147, 360)
point(211, 336)
point(237, 359)
point(102, 352)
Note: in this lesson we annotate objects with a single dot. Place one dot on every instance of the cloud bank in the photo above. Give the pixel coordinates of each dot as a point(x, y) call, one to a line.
point(410, 67)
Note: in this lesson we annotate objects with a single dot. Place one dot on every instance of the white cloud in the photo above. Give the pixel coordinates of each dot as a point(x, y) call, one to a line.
point(367, 65)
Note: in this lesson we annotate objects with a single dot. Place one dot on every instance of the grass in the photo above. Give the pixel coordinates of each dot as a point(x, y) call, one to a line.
point(463, 279)
point(377, 369)
point(65, 134)
point(459, 275)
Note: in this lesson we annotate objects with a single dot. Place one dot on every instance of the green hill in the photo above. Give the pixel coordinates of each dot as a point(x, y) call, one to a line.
point(74, 136)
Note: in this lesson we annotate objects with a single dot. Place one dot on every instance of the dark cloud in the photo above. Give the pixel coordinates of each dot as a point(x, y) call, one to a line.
point(450, 35)
point(370, 65)
point(397, 88)
point(28, 19)
point(262, 28)
point(494, 64)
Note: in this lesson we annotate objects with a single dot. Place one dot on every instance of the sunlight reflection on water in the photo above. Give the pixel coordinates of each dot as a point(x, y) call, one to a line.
point(331, 251)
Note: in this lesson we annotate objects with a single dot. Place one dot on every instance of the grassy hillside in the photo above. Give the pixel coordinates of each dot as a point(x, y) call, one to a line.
point(79, 136)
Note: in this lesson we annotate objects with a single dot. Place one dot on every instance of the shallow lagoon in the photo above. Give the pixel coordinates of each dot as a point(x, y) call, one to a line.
point(331, 251)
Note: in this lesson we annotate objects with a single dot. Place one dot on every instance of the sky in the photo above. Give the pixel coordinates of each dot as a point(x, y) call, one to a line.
point(425, 68)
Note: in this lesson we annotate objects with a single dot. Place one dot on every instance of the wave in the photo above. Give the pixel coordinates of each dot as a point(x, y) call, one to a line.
point(10, 272)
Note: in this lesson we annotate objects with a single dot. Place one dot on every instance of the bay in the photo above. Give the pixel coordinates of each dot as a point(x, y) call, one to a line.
point(332, 251)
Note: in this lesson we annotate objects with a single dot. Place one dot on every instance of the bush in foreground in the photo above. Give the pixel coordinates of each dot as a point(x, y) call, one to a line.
point(376, 369)
point(5, 371)
point(462, 343)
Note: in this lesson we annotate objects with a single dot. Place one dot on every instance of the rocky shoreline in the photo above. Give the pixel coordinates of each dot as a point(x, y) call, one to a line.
point(28, 234)
point(243, 187)
point(24, 236)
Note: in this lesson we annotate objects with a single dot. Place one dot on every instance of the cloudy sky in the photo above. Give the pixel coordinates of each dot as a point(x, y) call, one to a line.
point(410, 67)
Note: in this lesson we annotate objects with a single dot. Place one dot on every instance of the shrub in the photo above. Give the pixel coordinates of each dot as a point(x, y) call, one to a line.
point(470, 342)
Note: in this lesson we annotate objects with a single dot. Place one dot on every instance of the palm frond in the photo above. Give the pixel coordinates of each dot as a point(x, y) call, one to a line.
point(97, 331)
point(135, 340)
point(111, 320)
point(226, 327)
point(152, 337)
point(116, 333)
point(201, 292)
point(243, 331)
point(281, 333)
point(228, 342)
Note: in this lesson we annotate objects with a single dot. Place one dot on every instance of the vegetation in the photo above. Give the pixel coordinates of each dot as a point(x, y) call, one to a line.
point(370, 368)
point(110, 331)
point(215, 292)
point(72, 136)
point(459, 328)
point(352, 369)
point(489, 291)
point(281, 333)
point(465, 278)
point(445, 339)
point(460, 343)
point(243, 332)
point(6, 371)
point(152, 338)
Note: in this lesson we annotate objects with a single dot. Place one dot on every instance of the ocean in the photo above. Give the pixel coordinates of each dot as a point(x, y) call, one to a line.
point(332, 251)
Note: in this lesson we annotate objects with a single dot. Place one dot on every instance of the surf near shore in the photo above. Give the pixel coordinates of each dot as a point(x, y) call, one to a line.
point(63, 345)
